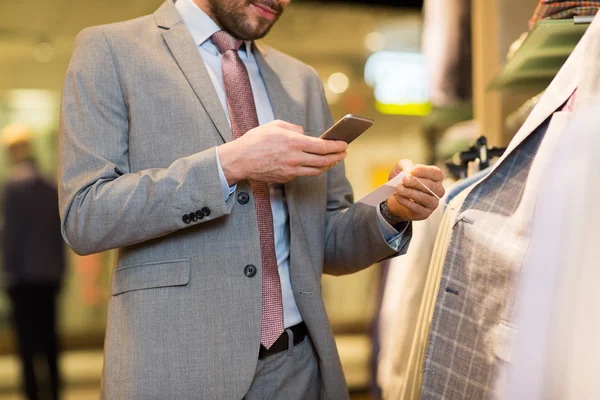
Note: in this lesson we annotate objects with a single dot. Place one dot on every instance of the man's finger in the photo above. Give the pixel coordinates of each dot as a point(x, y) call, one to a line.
point(430, 172)
point(418, 211)
point(310, 171)
point(394, 172)
point(288, 126)
point(321, 161)
point(424, 199)
point(320, 146)
point(406, 166)
point(421, 184)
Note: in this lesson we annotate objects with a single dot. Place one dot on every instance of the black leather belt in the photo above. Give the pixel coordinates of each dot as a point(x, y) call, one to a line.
point(281, 344)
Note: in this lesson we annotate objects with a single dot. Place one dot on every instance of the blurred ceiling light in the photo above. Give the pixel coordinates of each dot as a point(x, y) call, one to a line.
point(338, 83)
point(43, 51)
point(375, 41)
point(400, 82)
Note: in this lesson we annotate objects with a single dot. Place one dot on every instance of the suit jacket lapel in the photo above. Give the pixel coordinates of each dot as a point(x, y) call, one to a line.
point(188, 58)
point(283, 107)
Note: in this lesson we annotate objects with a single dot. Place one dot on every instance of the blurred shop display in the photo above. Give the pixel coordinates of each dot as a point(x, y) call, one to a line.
point(396, 69)
point(536, 56)
point(446, 47)
point(386, 3)
point(560, 9)
point(400, 83)
point(518, 117)
point(447, 50)
point(476, 158)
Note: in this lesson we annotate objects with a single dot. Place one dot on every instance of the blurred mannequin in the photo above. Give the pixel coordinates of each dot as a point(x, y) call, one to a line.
point(33, 264)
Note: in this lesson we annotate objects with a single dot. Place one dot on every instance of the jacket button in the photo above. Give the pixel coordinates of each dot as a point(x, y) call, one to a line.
point(186, 219)
point(243, 198)
point(206, 211)
point(250, 271)
point(199, 215)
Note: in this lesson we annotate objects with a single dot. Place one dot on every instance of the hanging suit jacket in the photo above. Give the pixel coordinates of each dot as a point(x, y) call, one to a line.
point(409, 299)
point(472, 330)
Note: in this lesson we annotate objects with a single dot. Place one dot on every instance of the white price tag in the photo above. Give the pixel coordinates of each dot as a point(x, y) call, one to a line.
point(383, 192)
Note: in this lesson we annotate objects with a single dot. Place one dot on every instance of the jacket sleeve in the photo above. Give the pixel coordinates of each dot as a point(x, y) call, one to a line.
point(103, 204)
point(353, 238)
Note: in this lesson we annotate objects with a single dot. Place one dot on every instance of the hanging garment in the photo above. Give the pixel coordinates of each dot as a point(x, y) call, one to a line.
point(411, 390)
point(460, 186)
point(556, 356)
point(406, 299)
point(560, 9)
point(472, 329)
point(402, 297)
point(557, 351)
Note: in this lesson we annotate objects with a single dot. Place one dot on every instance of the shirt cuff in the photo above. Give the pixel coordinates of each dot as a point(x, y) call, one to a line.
point(226, 190)
point(389, 233)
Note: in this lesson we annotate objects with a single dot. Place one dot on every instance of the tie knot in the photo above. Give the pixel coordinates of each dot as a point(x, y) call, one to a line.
point(225, 42)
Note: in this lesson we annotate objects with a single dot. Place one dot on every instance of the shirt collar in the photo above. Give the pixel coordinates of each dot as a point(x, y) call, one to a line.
point(200, 25)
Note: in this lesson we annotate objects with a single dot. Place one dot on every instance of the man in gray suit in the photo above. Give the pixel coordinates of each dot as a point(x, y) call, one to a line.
point(216, 292)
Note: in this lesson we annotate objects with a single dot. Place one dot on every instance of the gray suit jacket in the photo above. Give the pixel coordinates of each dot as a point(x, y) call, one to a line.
point(140, 122)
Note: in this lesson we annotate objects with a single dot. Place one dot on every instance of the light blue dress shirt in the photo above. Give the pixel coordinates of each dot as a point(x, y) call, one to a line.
point(202, 27)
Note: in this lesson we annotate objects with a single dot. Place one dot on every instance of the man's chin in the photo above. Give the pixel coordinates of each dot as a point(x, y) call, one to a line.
point(258, 31)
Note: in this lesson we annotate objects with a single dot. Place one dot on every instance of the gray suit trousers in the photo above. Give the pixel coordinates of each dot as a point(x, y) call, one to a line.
point(291, 375)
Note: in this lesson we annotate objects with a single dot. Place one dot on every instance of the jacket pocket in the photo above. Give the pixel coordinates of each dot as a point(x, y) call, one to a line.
point(151, 275)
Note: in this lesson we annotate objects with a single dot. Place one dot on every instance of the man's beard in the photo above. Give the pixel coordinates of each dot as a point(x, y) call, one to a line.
point(234, 19)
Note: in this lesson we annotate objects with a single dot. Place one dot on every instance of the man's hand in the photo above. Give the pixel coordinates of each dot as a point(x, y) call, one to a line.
point(412, 201)
point(278, 152)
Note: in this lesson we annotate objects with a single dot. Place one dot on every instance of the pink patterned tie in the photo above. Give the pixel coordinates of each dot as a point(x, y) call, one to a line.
point(242, 112)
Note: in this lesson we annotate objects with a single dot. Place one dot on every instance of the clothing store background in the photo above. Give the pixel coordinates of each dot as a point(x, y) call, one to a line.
point(340, 40)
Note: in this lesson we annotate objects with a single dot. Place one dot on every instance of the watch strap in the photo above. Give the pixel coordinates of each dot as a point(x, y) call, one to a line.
point(387, 214)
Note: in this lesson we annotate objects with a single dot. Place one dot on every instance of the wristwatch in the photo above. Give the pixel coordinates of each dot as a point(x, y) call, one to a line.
point(389, 217)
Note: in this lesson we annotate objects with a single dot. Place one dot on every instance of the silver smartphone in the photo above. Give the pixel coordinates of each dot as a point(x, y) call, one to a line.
point(348, 128)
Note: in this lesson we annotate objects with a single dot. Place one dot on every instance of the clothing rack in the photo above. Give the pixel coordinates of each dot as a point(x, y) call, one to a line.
point(479, 152)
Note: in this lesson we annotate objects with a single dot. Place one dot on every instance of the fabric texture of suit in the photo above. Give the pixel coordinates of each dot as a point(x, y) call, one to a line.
point(473, 329)
point(140, 122)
